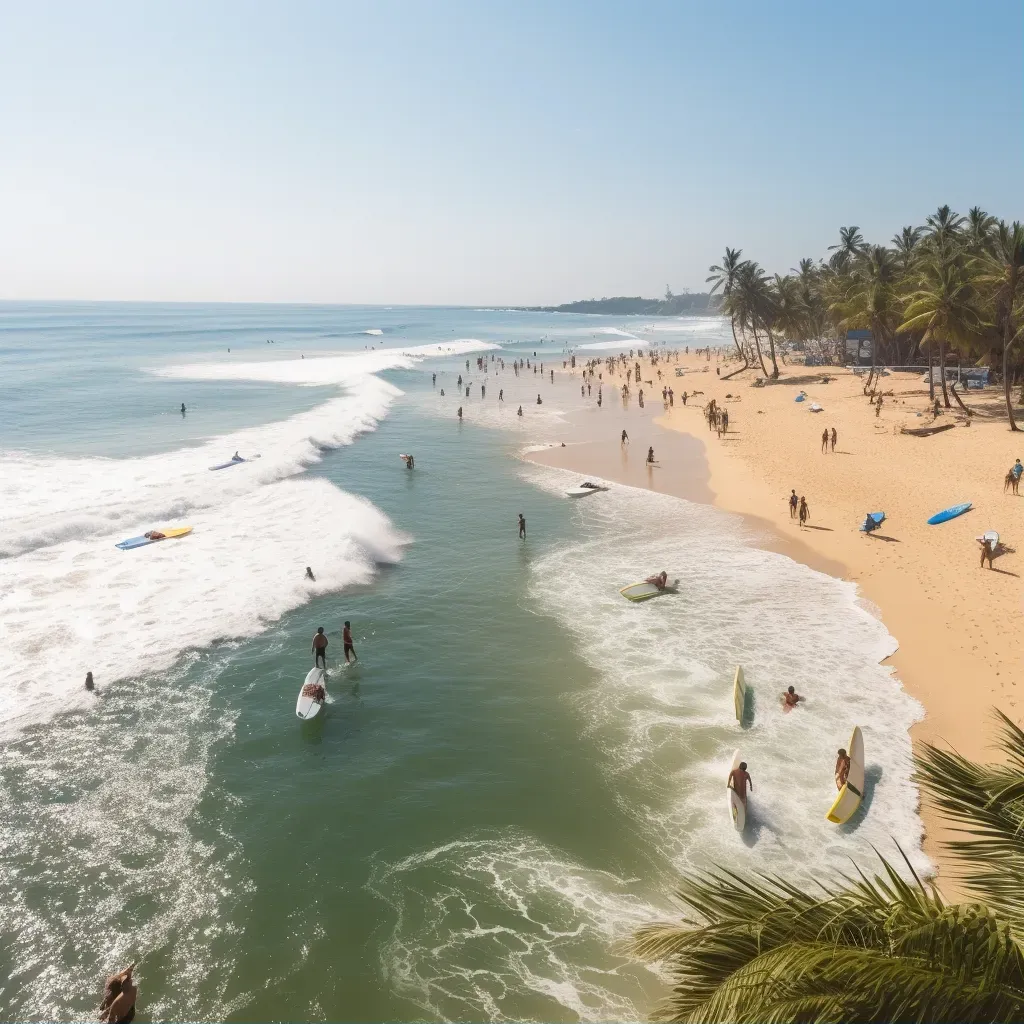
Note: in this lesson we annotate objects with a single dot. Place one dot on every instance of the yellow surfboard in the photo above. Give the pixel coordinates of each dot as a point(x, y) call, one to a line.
point(851, 795)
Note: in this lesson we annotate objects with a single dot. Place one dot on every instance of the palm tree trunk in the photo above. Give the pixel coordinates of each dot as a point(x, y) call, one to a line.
point(942, 370)
point(1007, 345)
point(757, 346)
point(735, 340)
point(771, 347)
point(931, 370)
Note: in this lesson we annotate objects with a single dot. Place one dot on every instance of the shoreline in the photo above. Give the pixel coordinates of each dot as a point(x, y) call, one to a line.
point(923, 582)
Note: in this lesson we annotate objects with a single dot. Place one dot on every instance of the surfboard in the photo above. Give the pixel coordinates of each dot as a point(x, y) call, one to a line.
point(815, 407)
point(737, 809)
point(141, 542)
point(852, 793)
point(991, 536)
point(308, 707)
point(878, 517)
point(739, 693)
point(582, 492)
point(949, 513)
point(233, 462)
point(643, 591)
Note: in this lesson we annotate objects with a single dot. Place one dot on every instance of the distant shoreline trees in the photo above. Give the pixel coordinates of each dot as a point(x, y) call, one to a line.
point(952, 287)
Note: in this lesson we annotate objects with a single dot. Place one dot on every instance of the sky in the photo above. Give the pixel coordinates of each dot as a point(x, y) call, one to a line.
point(484, 152)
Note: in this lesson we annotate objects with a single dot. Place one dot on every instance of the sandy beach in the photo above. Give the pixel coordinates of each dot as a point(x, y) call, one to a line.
point(953, 620)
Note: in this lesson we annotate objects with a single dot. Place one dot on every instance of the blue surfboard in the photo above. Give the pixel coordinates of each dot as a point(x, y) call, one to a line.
point(949, 513)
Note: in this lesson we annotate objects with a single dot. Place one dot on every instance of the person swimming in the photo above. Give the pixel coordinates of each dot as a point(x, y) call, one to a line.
point(790, 699)
point(660, 580)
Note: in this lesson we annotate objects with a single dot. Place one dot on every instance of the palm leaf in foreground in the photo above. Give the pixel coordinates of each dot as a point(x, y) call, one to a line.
point(872, 949)
point(986, 804)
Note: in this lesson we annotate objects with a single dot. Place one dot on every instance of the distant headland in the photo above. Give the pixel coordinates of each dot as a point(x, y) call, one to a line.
point(629, 305)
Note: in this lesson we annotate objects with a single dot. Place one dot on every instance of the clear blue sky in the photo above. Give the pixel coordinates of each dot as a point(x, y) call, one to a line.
point(484, 152)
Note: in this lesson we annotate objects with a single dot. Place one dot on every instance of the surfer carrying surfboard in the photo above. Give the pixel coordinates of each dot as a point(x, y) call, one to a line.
point(320, 648)
point(739, 780)
point(842, 768)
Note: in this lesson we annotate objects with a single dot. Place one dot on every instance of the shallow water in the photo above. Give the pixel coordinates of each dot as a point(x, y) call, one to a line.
point(508, 780)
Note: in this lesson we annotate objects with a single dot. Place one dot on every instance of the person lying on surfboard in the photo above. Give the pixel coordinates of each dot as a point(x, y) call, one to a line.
point(660, 580)
point(790, 699)
point(316, 691)
point(155, 535)
point(739, 780)
point(842, 768)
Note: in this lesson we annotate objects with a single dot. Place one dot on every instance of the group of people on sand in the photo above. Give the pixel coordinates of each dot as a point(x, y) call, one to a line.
point(717, 417)
point(829, 438)
point(798, 508)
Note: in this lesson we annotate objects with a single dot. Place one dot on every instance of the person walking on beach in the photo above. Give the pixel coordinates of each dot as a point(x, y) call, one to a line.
point(522, 526)
point(824, 440)
point(740, 780)
point(834, 438)
point(320, 649)
point(805, 512)
point(346, 642)
point(794, 501)
point(842, 768)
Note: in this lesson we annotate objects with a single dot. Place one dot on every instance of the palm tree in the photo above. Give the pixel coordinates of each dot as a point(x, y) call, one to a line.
point(881, 948)
point(1003, 273)
point(752, 285)
point(944, 228)
point(873, 300)
point(944, 306)
point(790, 312)
point(851, 243)
point(723, 278)
point(905, 246)
point(980, 226)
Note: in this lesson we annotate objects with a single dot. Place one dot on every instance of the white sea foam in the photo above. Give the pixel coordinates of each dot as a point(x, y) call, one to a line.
point(342, 368)
point(543, 923)
point(662, 703)
point(373, 330)
point(83, 605)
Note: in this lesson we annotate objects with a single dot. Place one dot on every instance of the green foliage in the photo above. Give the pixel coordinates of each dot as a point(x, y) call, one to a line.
point(880, 948)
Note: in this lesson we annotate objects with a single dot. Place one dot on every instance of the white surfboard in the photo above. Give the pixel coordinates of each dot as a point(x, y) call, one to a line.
point(739, 693)
point(737, 809)
point(307, 707)
point(582, 492)
point(991, 536)
point(851, 795)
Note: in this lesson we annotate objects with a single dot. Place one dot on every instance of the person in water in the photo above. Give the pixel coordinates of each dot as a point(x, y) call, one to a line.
point(522, 526)
point(237, 458)
point(740, 781)
point(650, 456)
point(790, 699)
point(520, 413)
point(119, 995)
point(410, 462)
point(460, 412)
point(89, 684)
point(182, 408)
point(625, 437)
point(320, 649)
point(660, 580)
point(501, 394)
point(309, 574)
point(539, 402)
point(842, 768)
point(346, 639)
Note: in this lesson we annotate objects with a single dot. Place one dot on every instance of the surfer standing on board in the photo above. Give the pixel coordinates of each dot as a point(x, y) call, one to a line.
point(842, 768)
point(320, 648)
point(346, 640)
point(739, 780)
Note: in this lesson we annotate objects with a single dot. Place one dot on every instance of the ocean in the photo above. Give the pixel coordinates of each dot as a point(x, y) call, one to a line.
point(519, 766)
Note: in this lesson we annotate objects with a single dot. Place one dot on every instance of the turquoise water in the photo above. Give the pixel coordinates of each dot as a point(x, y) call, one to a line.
point(504, 785)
